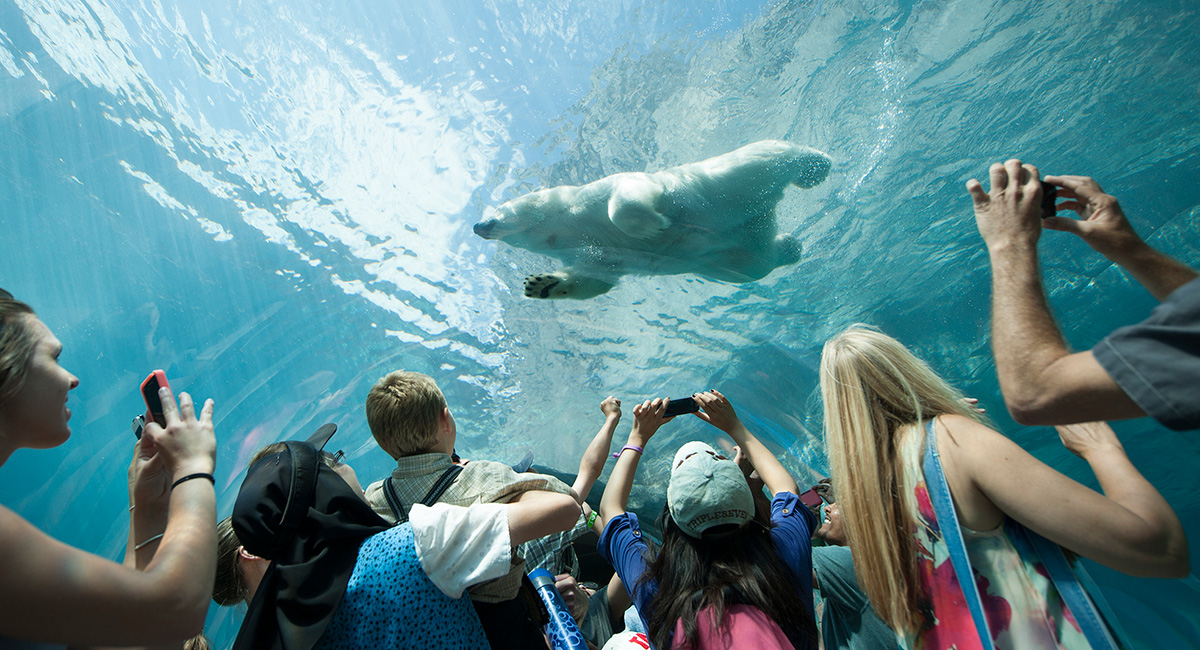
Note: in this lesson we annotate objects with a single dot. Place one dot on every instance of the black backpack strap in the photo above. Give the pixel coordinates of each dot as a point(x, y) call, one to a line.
point(435, 492)
point(442, 485)
point(393, 499)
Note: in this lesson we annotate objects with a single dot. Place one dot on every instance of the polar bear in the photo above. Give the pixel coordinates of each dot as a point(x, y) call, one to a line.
point(714, 218)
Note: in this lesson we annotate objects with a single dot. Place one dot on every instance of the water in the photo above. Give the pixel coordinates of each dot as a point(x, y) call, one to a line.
point(272, 201)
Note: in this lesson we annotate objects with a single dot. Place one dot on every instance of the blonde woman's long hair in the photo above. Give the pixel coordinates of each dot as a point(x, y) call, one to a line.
point(874, 391)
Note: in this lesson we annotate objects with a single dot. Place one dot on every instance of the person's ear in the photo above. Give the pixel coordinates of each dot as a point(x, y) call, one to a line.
point(245, 555)
point(447, 421)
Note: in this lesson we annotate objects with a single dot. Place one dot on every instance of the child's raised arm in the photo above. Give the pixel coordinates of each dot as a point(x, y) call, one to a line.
point(593, 459)
point(647, 418)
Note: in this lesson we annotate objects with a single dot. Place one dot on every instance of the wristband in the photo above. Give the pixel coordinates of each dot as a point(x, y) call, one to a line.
point(633, 447)
point(148, 542)
point(192, 476)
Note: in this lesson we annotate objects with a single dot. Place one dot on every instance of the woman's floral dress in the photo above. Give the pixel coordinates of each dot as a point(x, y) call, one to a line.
point(1023, 608)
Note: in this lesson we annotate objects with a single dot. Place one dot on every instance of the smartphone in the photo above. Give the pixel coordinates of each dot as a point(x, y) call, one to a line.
point(156, 380)
point(1049, 196)
point(139, 423)
point(680, 406)
point(810, 498)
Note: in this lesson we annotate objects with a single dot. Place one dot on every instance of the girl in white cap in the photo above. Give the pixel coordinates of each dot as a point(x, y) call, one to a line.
point(729, 574)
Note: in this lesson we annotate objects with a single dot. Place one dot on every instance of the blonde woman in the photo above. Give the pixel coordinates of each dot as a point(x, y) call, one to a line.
point(878, 400)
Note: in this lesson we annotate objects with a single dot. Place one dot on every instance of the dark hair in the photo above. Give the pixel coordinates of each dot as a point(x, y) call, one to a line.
point(16, 344)
point(738, 566)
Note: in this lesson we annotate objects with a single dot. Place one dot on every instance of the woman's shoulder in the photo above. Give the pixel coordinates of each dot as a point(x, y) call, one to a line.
point(958, 433)
point(18, 536)
point(956, 422)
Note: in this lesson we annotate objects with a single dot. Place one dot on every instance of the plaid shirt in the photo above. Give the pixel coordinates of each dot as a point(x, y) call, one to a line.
point(481, 481)
point(554, 553)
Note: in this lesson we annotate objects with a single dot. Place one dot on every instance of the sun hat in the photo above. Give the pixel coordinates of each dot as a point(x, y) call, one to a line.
point(706, 491)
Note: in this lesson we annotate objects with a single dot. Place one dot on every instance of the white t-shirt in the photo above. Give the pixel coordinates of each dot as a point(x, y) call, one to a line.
point(461, 546)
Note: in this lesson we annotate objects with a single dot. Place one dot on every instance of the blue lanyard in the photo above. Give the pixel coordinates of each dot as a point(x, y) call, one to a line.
point(1027, 542)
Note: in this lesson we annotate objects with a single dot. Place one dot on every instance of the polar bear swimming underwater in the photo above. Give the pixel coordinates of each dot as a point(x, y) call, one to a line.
point(714, 218)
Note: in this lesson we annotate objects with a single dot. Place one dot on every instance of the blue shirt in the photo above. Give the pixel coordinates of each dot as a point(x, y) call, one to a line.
point(391, 603)
point(621, 543)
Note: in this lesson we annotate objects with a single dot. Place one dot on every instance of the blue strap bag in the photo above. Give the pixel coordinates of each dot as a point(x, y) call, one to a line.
point(1062, 574)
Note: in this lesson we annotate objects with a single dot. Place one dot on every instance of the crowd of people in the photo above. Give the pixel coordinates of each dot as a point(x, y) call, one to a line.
point(437, 555)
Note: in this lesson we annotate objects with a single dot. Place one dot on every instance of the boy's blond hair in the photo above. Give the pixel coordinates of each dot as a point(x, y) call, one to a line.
point(403, 410)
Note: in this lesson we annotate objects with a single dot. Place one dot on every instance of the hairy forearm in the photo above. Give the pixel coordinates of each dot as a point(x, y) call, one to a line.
point(1025, 339)
point(593, 459)
point(1159, 273)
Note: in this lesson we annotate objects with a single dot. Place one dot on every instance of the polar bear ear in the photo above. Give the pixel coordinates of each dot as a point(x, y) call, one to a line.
point(633, 206)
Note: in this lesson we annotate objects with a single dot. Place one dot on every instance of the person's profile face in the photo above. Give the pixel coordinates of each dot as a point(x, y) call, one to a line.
point(831, 529)
point(36, 416)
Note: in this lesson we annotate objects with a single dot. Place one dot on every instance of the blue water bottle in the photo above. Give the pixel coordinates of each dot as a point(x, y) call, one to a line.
point(563, 632)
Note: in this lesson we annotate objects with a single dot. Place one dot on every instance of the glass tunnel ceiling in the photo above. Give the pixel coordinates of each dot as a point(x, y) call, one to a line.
point(273, 202)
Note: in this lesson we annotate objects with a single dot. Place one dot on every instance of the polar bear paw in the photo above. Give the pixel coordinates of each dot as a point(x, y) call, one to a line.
point(811, 168)
point(550, 285)
point(564, 284)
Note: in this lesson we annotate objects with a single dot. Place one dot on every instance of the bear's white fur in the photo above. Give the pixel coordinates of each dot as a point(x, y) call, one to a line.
point(714, 218)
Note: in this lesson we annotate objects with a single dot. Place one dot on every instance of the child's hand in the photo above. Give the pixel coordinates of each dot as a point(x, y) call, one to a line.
point(611, 407)
point(647, 418)
point(716, 410)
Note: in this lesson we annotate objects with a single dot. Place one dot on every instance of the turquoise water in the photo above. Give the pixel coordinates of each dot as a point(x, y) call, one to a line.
point(272, 201)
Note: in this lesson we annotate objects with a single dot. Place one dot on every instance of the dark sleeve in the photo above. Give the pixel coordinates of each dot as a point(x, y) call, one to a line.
point(621, 544)
point(833, 567)
point(1157, 362)
point(791, 531)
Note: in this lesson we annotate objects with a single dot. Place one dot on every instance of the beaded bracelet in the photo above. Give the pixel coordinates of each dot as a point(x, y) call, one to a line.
point(617, 454)
point(192, 476)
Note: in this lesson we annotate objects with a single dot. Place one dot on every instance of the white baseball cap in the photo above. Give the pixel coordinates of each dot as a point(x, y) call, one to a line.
point(706, 490)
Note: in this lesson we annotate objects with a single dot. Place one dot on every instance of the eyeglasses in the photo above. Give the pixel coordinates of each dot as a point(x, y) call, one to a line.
point(334, 459)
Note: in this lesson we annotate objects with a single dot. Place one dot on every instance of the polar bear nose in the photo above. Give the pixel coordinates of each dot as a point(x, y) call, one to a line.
point(484, 228)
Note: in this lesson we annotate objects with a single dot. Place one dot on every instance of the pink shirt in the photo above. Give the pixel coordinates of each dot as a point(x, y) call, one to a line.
point(745, 626)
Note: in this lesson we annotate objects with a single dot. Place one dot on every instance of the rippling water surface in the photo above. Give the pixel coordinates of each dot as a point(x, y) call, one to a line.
point(273, 200)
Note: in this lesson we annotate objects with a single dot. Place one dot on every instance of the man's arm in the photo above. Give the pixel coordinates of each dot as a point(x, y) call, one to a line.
point(1102, 224)
point(1042, 381)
